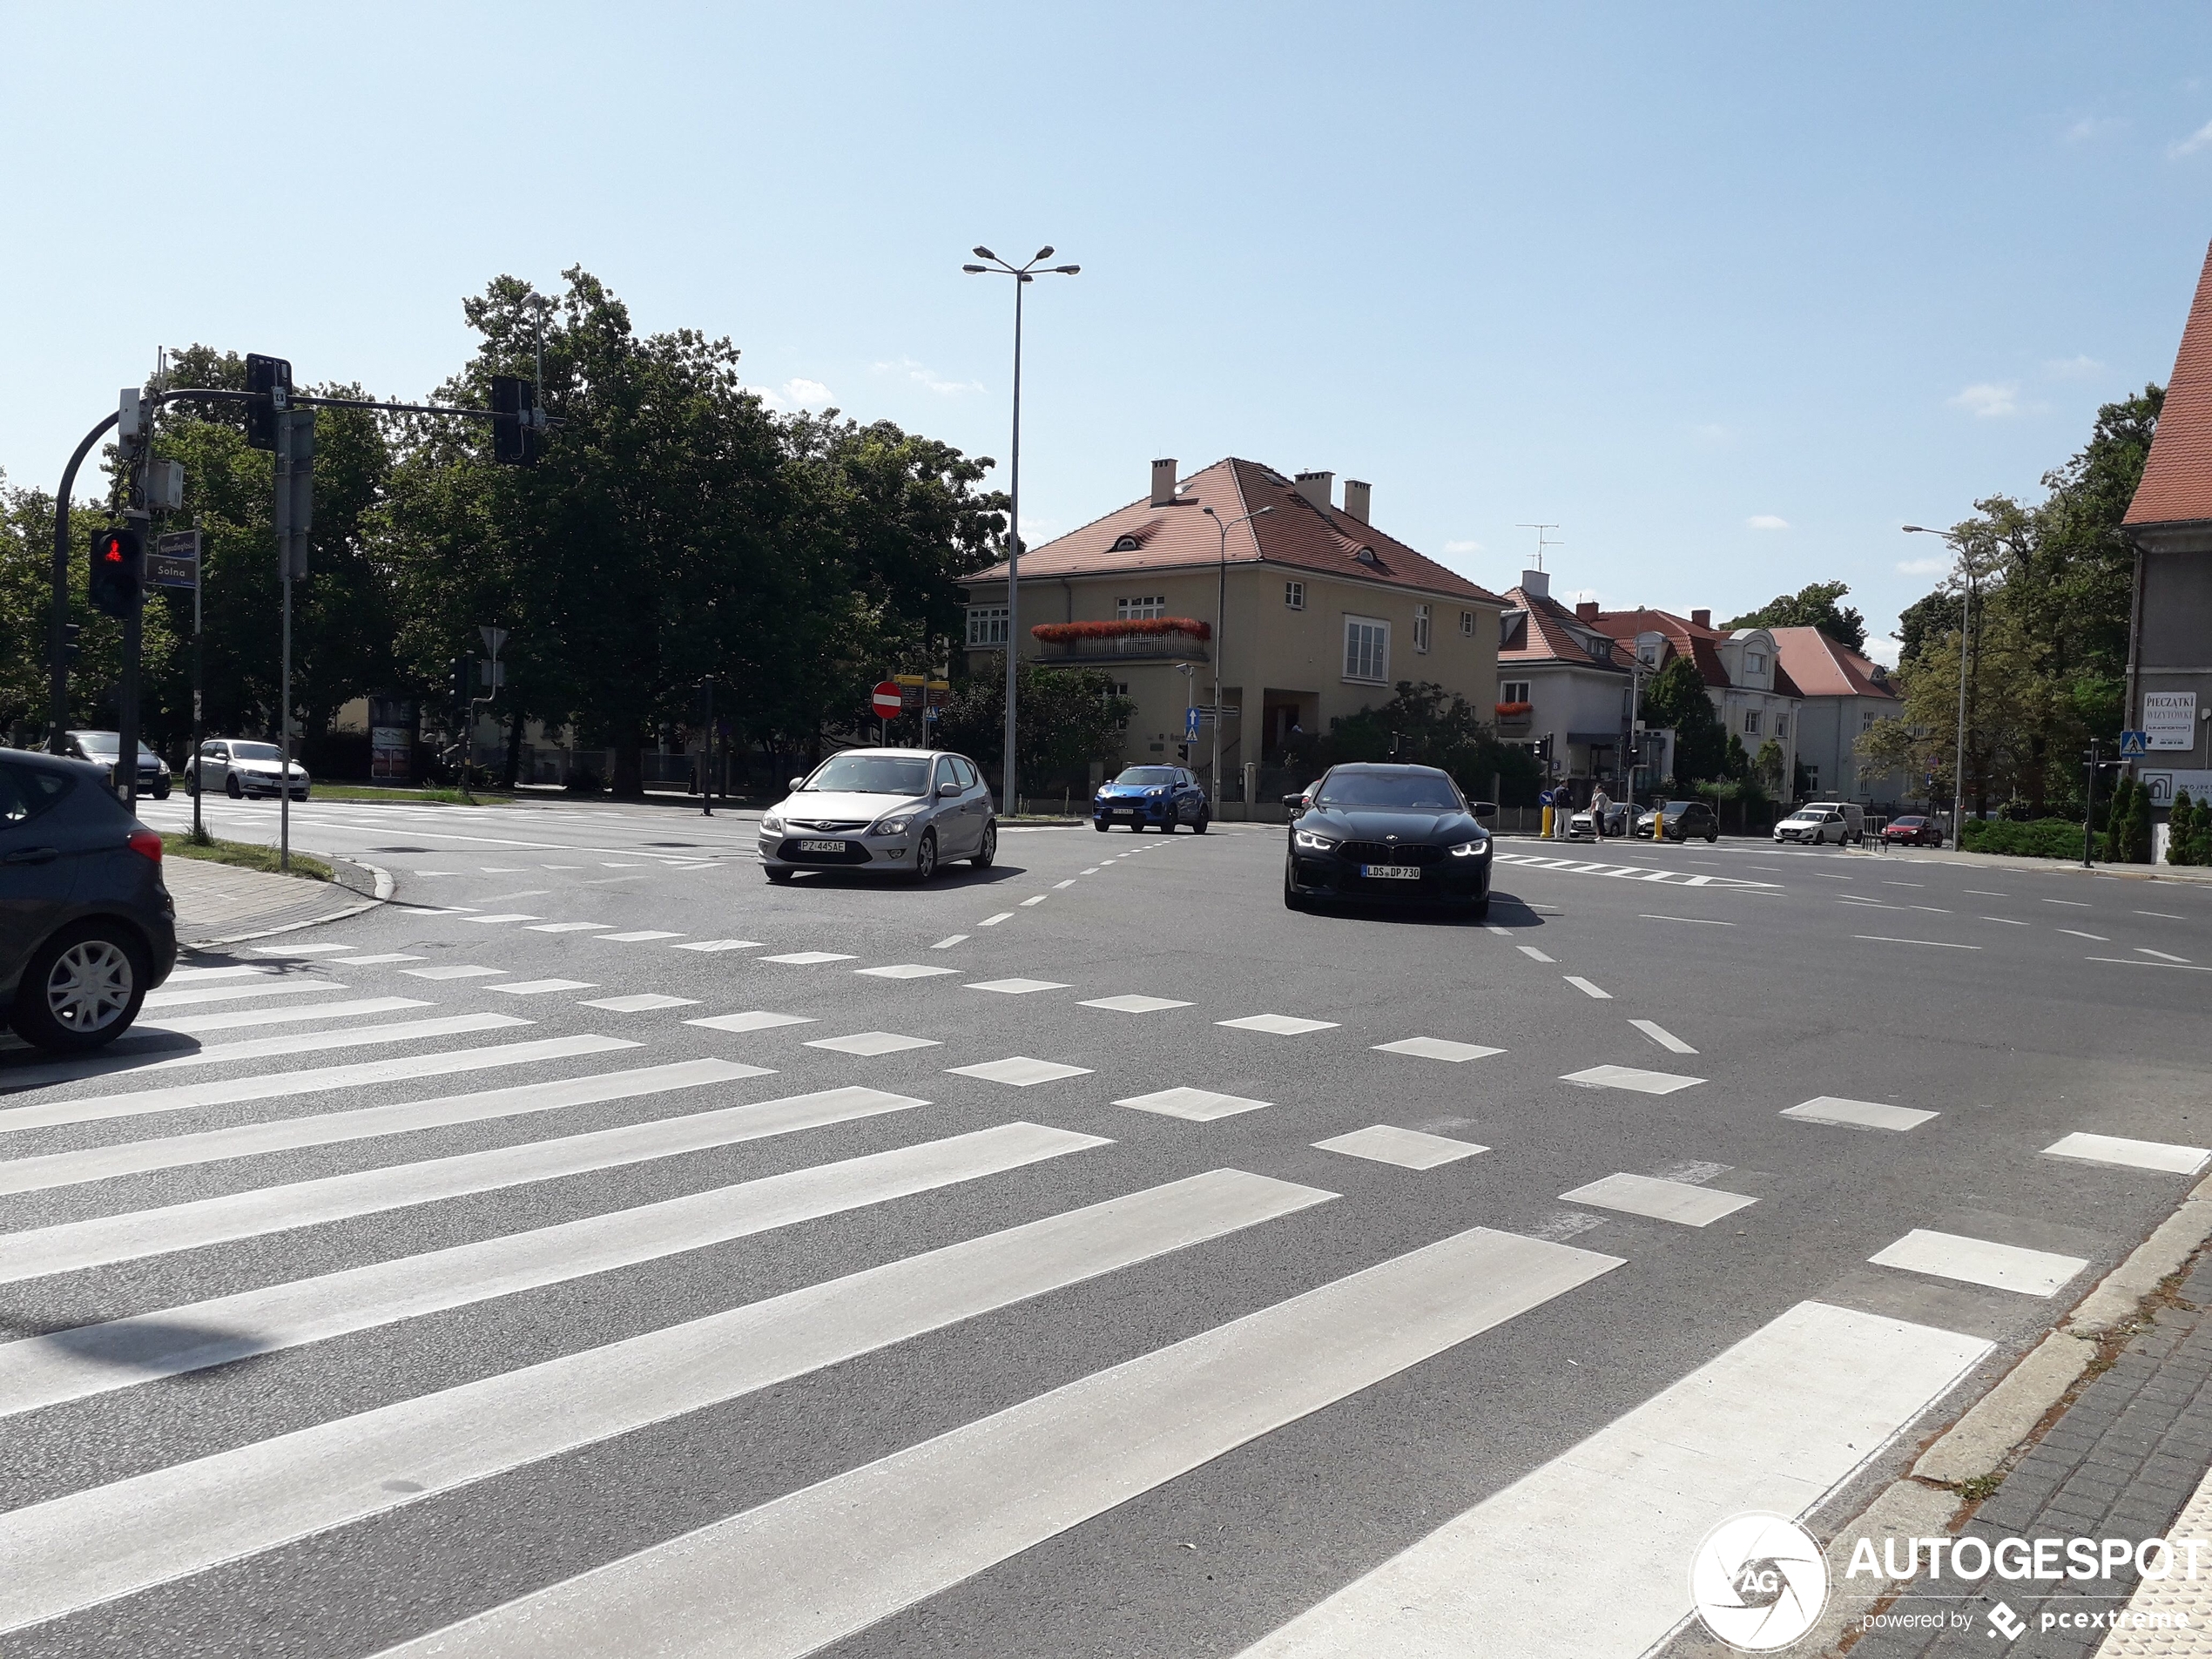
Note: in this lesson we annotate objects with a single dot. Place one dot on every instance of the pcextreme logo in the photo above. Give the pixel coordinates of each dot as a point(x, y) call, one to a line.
point(1759, 1582)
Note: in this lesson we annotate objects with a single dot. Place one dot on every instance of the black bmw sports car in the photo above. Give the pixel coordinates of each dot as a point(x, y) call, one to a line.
point(1388, 835)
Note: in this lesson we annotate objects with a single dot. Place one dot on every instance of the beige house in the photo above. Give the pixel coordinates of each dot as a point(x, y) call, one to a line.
point(1303, 610)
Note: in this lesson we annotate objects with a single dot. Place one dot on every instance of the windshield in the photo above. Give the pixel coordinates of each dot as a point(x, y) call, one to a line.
point(254, 751)
point(851, 774)
point(1146, 775)
point(95, 743)
point(1908, 823)
point(1677, 808)
point(1410, 792)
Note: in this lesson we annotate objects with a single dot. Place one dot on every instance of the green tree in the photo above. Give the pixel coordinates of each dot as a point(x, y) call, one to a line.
point(1424, 724)
point(2178, 822)
point(1065, 720)
point(1813, 606)
point(1674, 698)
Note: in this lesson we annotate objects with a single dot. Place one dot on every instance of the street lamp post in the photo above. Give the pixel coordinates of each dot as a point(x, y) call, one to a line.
point(1023, 274)
point(1965, 623)
point(1220, 615)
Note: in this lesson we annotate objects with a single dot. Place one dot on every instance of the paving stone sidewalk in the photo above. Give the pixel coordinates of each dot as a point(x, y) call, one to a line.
point(2127, 1459)
point(220, 904)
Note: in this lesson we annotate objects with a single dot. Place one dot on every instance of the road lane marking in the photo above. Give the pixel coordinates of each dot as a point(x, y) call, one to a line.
point(718, 945)
point(1660, 1035)
point(68, 1247)
point(2129, 961)
point(2077, 904)
point(1134, 1004)
point(1409, 1149)
point(1681, 1202)
point(2007, 921)
point(1775, 1423)
point(94, 1545)
point(2164, 957)
point(1069, 882)
point(1436, 1049)
point(794, 1575)
point(873, 1043)
point(237, 1019)
point(455, 970)
point(640, 1003)
point(1015, 986)
point(808, 958)
point(2162, 1155)
point(947, 943)
point(993, 921)
point(36, 1371)
point(752, 1020)
point(2094, 938)
point(1940, 944)
point(365, 1123)
point(569, 927)
point(1705, 922)
point(1020, 1071)
point(1981, 1261)
point(1858, 1114)
point(198, 995)
point(1534, 954)
point(637, 937)
point(1643, 1082)
point(1280, 1025)
point(904, 970)
point(1586, 987)
point(1984, 893)
point(1193, 1105)
point(2163, 916)
point(540, 987)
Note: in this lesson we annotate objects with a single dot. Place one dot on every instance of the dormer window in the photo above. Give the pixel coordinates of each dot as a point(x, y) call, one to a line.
point(1125, 544)
point(1367, 555)
point(1754, 662)
point(1601, 650)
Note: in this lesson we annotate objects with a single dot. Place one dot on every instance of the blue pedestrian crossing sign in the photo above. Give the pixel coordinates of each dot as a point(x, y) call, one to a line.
point(2133, 744)
point(1190, 724)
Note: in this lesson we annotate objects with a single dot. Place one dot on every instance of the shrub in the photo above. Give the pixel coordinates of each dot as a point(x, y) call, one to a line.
point(2178, 823)
point(2039, 838)
point(583, 781)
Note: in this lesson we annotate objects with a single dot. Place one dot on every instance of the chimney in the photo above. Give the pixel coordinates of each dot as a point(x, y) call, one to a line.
point(1537, 585)
point(1163, 484)
point(1701, 618)
point(1355, 499)
point(1586, 610)
point(1315, 487)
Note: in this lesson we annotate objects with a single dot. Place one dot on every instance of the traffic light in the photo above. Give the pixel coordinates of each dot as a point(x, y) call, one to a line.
point(1182, 752)
point(514, 421)
point(70, 632)
point(464, 680)
point(269, 379)
point(119, 570)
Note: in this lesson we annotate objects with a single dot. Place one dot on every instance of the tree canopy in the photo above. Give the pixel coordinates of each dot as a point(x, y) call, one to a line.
point(1813, 606)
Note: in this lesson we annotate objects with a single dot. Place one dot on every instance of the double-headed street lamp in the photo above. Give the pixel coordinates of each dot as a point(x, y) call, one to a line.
point(1220, 615)
point(1966, 622)
point(1022, 275)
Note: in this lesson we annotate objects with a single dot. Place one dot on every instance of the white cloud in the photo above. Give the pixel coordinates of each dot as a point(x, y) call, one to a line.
point(808, 394)
point(2197, 140)
point(2079, 367)
point(1987, 399)
point(1767, 522)
point(1463, 547)
point(922, 374)
point(1883, 648)
point(1922, 566)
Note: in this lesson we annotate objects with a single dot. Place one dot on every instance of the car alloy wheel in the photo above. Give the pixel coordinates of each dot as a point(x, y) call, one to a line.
point(232, 788)
point(89, 985)
point(989, 848)
point(926, 856)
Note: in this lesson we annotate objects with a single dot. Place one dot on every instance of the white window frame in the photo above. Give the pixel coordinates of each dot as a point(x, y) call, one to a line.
point(1781, 725)
point(1366, 644)
point(1506, 688)
point(1754, 662)
point(1467, 623)
point(986, 626)
point(1294, 595)
point(1751, 723)
point(1146, 608)
point(1422, 633)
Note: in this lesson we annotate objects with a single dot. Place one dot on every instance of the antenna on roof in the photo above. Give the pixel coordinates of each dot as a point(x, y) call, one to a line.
point(1541, 543)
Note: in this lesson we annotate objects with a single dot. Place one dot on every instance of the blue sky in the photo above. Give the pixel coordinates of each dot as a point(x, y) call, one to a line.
point(1727, 291)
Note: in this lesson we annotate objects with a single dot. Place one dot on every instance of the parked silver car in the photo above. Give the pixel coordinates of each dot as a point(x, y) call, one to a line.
point(239, 766)
point(897, 812)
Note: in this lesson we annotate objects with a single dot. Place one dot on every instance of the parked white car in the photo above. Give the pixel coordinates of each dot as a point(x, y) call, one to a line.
point(1837, 822)
point(895, 811)
point(239, 766)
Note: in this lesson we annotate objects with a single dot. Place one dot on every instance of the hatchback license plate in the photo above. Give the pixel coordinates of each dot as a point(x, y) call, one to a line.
point(822, 847)
point(1393, 872)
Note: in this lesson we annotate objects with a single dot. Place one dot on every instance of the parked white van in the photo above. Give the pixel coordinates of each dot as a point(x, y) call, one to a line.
point(1837, 822)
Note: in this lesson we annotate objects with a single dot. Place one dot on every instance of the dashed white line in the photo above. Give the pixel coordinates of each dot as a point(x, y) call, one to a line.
point(2164, 957)
point(2078, 933)
point(2007, 921)
point(993, 921)
point(1940, 944)
point(1069, 882)
point(2077, 904)
point(1660, 1035)
point(1586, 987)
point(1532, 953)
point(948, 942)
point(1037, 898)
point(1707, 922)
point(2164, 915)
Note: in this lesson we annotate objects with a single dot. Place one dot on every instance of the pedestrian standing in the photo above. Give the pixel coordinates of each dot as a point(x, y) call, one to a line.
point(1599, 804)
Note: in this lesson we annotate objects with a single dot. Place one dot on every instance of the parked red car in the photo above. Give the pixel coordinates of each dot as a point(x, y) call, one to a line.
point(1914, 831)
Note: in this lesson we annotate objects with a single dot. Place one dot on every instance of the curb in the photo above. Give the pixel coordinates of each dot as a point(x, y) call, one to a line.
point(1990, 1437)
point(380, 888)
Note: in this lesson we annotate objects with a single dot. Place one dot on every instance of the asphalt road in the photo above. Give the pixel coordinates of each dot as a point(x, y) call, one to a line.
point(1224, 1388)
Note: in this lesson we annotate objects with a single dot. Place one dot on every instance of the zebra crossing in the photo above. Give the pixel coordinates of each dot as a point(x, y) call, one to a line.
point(833, 1556)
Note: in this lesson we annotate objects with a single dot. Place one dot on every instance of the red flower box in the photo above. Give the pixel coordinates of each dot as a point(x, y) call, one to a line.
point(1066, 633)
point(1507, 711)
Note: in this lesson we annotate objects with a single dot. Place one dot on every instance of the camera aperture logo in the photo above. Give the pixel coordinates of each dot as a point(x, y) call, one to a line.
point(1759, 1582)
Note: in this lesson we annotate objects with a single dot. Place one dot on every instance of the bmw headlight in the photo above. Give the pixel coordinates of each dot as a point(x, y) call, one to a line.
point(1309, 842)
point(1473, 849)
point(895, 825)
point(771, 823)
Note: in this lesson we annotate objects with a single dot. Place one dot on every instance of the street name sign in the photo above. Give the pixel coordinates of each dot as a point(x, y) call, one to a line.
point(174, 562)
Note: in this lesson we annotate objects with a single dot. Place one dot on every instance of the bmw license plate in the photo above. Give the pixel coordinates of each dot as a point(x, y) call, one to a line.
point(1393, 872)
point(822, 847)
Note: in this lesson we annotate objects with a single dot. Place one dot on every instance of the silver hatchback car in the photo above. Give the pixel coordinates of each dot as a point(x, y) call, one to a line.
point(895, 811)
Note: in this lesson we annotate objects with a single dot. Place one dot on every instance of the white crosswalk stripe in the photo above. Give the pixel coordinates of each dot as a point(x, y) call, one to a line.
point(289, 1013)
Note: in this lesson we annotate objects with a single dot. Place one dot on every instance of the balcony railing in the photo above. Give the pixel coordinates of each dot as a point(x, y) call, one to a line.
point(1125, 648)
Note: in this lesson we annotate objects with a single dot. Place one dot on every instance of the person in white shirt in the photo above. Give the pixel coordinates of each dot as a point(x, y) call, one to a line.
point(1599, 806)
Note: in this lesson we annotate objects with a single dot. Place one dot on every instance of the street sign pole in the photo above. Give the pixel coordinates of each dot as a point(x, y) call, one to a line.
point(2089, 811)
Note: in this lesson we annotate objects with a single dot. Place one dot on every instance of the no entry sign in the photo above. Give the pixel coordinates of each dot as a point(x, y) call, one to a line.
point(887, 699)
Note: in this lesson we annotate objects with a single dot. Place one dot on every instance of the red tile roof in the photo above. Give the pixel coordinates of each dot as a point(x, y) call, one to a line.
point(1550, 636)
point(1822, 667)
point(1684, 636)
point(2176, 487)
point(1141, 536)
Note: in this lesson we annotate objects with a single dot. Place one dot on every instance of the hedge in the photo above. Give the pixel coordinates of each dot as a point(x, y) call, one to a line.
point(2041, 838)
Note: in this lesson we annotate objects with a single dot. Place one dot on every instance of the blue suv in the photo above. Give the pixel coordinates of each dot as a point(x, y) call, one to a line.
point(1160, 797)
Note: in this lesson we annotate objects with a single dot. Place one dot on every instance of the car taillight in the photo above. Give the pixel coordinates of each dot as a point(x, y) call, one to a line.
point(145, 844)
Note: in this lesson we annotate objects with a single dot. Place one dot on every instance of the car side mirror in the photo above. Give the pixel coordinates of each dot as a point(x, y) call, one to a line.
point(795, 783)
point(948, 790)
point(1296, 803)
point(1484, 809)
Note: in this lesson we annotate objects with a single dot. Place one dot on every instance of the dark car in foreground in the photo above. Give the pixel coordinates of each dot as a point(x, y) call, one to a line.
point(1678, 821)
point(1160, 797)
point(86, 927)
point(1913, 831)
point(1388, 835)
